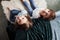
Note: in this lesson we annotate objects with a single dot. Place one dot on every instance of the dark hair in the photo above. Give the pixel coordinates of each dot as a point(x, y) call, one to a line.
point(24, 26)
point(29, 20)
point(53, 13)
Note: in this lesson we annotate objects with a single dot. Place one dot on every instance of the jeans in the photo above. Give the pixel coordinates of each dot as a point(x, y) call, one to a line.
point(32, 4)
point(29, 8)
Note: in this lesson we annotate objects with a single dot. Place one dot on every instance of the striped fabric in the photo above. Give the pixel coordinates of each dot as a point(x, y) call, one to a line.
point(41, 30)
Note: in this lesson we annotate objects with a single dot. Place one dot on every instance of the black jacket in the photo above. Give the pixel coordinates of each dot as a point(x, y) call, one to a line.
point(41, 30)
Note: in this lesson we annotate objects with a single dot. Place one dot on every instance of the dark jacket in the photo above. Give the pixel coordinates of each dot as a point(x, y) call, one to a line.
point(41, 30)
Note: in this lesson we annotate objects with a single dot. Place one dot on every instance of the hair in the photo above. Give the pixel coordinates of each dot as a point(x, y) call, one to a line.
point(24, 26)
point(53, 13)
point(29, 19)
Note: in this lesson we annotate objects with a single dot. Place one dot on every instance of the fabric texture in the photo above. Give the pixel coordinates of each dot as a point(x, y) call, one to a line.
point(41, 30)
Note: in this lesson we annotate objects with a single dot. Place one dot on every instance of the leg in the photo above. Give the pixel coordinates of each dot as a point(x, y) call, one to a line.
point(29, 9)
point(32, 4)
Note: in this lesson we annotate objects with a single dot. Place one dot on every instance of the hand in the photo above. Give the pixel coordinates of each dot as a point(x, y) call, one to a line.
point(47, 14)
